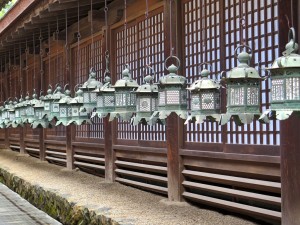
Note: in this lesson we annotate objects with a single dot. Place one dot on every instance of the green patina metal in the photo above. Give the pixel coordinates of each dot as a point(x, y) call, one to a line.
point(18, 122)
point(65, 109)
point(125, 96)
point(105, 98)
point(243, 91)
point(147, 101)
point(89, 96)
point(78, 117)
point(285, 80)
point(205, 99)
point(172, 96)
point(40, 121)
point(54, 106)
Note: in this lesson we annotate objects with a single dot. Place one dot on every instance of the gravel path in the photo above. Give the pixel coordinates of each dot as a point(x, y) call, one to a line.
point(124, 204)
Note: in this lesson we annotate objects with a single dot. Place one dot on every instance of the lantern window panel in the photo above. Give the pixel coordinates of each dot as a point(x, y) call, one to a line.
point(144, 104)
point(173, 97)
point(120, 99)
point(47, 106)
point(86, 97)
point(277, 90)
point(207, 101)
point(109, 100)
point(253, 95)
point(162, 98)
point(195, 102)
point(63, 111)
point(55, 107)
point(292, 88)
point(100, 101)
point(236, 96)
point(75, 111)
point(93, 97)
point(17, 113)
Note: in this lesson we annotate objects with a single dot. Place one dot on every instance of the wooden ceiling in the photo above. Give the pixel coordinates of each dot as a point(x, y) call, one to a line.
point(45, 15)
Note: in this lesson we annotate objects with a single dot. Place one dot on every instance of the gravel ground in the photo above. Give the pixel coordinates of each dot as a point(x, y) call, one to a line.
point(124, 204)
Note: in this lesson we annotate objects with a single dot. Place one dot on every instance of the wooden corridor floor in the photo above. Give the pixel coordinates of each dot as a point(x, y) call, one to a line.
point(16, 210)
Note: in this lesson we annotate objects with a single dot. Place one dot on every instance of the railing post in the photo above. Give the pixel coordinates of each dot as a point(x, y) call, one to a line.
point(174, 126)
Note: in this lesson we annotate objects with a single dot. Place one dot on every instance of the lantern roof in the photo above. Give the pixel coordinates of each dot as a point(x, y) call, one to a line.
point(11, 106)
point(172, 78)
point(126, 80)
point(66, 99)
point(78, 99)
point(57, 93)
point(34, 99)
point(290, 58)
point(106, 87)
point(204, 82)
point(91, 83)
point(243, 70)
point(147, 87)
point(49, 94)
point(40, 103)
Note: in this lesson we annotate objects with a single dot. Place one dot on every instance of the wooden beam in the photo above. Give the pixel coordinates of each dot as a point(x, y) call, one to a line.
point(69, 5)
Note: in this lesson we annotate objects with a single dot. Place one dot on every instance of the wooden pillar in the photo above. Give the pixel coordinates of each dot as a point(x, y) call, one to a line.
point(289, 138)
point(174, 126)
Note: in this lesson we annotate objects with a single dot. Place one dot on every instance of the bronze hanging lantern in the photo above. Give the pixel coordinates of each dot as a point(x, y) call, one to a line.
point(285, 80)
point(172, 96)
point(30, 108)
point(54, 106)
point(11, 113)
point(18, 116)
point(105, 98)
point(205, 98)
point(146, 101)
point(78, 117)
point(2, 125)
point(125, 97)
point(65, 110)
point(243, 91)
point(89, 96)
point(40, 121)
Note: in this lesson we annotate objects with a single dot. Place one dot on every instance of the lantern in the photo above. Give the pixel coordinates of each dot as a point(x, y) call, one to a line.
point(39, 120)
point(147, 101)
point(105, 99)
point(78, 117)
point(2, 125)
point(11, 113)
point(90, 97)
point(30, 108)
point(125, 98)
point(65, 110)
point(172, 96)
point(18, 118)
point(285, 80)
point(243, 91)
point(54, 104)
point(205, 98)
point(48, 99)
point(5, 114)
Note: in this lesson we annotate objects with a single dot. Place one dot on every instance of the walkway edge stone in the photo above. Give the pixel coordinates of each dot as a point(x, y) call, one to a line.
point(55, 205)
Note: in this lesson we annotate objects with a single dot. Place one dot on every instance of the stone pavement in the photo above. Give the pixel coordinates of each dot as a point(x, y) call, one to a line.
point(16, 210)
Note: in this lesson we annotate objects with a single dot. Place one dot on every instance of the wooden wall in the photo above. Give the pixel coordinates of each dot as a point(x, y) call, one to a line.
point(236, 168)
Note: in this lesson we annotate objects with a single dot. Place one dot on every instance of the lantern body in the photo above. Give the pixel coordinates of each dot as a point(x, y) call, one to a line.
point(1, 118)
point(125, 97)
point(172, 96)
point(77, 116)
point(65, 110)
point(40, 121)
point(285, 80)
point(146, 103)
point(243, 92)
point(89, 96)
point(54, 104)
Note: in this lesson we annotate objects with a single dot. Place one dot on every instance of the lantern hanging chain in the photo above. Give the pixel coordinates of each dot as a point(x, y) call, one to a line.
point(49, 52)
point(56, 40)
point(15, 68)
point(148, 63)
point(92, 34)
point(66, 44)
point(242, 23)
point(204, 38)
point(33, 50)
point(26, 68)
point(41, 58)
point(9, 66)
point(20, 72)
point(78, 39)
point(125, 29)
point(106, 39)
point(171, 30)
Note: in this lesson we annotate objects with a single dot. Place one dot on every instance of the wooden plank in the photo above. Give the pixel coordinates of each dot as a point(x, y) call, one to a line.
point(55, 142)
point(142, 175)
point(235, 193)
point(236, 181)
point(87, 144)
point(231, 156)
point(89, 165)
point(89, 158)
point(143, 156)
point(160, 169)
point(15, 146)
point(140, 149)
point(233, 206)
point(56, 147)
point(56, 153)
point(150, 187)
point(56, 159)
point(32, 149)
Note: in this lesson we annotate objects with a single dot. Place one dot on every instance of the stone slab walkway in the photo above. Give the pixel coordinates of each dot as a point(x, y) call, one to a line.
point(16, 210)
point(116, 204)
